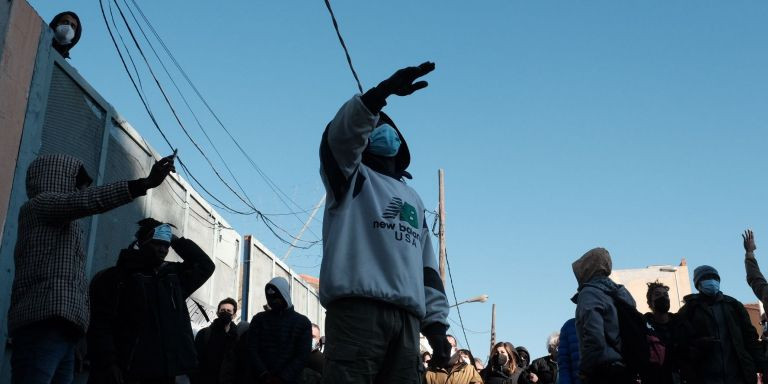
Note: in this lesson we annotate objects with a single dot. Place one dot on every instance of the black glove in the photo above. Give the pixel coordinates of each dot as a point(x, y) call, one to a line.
point(441, 348)
point(157, 174)
point(401, 83)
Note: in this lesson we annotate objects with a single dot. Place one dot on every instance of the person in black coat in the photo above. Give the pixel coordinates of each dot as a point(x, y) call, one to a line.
point(214, 342)
point(140, 328)
point(279, 339)
point(544, 369)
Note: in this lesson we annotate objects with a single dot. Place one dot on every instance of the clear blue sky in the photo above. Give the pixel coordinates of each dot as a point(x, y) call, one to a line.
point(561, 125)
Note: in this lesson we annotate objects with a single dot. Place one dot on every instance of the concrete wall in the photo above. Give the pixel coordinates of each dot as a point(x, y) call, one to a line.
point(21, 35)
point(636, 280)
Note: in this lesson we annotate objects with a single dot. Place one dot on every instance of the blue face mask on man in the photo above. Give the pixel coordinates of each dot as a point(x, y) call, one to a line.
point(709, 287)
point(384, 141)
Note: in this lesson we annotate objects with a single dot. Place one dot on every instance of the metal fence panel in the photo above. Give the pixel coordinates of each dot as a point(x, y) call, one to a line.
point(260, 274)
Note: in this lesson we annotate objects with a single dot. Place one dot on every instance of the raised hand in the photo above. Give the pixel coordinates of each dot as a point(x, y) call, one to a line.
point(401, 83)
point(160, 171)
point(749, 241)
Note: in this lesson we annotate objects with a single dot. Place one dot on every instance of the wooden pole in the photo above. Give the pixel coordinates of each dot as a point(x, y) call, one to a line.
point(441, 216)
point(304, 228)
point(493, 328)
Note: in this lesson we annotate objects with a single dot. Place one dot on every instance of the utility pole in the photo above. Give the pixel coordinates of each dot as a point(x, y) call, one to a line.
point(493, 327)
point(304, 228)
point(441, 216)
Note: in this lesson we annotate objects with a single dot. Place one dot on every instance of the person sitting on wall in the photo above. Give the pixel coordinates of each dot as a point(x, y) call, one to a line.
point(66, 32)
point(49, 298)
point(141, 331)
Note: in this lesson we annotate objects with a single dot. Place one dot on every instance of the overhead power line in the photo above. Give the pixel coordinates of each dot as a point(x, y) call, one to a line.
point(273, 227)
point(343, 45)
point(455, 300)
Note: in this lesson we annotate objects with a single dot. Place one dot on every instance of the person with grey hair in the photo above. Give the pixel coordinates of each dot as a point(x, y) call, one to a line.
point(544, 369)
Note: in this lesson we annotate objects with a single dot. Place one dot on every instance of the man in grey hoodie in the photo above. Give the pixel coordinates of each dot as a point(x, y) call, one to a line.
point(379, 279)
point(597, 323)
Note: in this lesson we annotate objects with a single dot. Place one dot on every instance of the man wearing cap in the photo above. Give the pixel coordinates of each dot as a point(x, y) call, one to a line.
point(379, 280)
point(140, 328)
point(716, 342)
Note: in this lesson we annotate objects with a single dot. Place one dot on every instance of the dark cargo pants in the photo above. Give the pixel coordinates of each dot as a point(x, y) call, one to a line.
point(369, 341)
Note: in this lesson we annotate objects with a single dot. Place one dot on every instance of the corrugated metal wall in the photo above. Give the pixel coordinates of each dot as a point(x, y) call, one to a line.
point(66, 115)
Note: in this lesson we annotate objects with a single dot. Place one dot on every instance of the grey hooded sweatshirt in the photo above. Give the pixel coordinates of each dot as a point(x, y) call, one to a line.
point(597, 323)
point(376, 243)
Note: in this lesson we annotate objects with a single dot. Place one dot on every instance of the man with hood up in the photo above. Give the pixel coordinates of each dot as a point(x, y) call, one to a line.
point(66, 32)
point(597, 322)
point(279, 339)
point(49, 298)
point(140, 330)
point(379, 280)
point(716, 342)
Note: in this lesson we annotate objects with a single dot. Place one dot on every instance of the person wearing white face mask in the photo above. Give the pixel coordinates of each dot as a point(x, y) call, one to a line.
point(717, 343)
point(66, 32)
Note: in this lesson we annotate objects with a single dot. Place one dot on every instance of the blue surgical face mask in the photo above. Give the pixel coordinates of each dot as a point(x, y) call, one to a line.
point(709, 287)
point(163, 233)
point(384, 141)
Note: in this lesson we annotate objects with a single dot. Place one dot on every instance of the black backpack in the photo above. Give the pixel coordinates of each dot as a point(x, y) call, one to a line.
point(634, 333)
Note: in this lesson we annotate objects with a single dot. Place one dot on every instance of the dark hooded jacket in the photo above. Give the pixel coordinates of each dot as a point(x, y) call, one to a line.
point(716, 342)
point(280, 340)
point(63, 49)
point(140, 317)
point(49, 281)
point(213, 344)
point(597, 322)
point(545, 368)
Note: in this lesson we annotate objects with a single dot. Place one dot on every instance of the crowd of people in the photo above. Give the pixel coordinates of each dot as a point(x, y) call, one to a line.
point(379, 286)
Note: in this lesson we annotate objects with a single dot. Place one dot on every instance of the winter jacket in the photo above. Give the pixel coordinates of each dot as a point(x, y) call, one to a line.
point(664, 373)
point(716, 343)
point(459, 374)
point(236, 367)
point(212, 345)
point(49, 280)
point(568, 354)
point(545, 368)
point(279, 341)
point(494, 375)
point(597, 322)
point(376, 243)
point(140, 317)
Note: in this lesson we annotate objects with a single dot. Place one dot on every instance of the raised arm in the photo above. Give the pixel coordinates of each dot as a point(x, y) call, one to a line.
point(63, 207)
point(755, 278)
point(197, 266)
point(346, 136)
